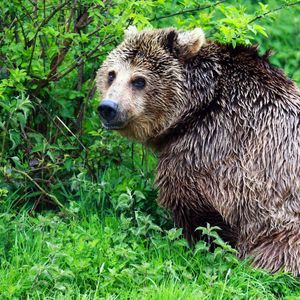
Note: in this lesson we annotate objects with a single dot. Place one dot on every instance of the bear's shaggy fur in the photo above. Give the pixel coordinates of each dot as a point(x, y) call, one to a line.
point(226, 126)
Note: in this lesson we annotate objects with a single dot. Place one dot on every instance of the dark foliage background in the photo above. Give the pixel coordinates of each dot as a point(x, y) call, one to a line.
point(52, 148)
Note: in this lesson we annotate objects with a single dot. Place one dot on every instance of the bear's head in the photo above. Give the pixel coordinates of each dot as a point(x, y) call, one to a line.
point(142, 82)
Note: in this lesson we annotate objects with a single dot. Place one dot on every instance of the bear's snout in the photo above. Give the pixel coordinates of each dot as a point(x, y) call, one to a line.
point(108, 110)
point(109, 114)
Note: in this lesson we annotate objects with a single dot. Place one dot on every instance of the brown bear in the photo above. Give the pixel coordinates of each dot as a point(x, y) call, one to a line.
point(226, 127)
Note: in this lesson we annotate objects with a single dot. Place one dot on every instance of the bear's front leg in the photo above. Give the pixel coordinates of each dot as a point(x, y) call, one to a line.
point(274, 251)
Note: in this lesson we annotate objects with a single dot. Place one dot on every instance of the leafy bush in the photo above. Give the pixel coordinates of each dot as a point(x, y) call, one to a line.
point(52, 147)
point(49, 54)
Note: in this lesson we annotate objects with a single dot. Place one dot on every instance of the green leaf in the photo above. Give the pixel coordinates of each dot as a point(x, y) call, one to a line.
point(260, 29)
point(15, 138)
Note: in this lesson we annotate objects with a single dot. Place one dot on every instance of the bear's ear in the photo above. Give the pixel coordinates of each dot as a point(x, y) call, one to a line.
point(170, 40)
point(190, 42)
point(130, 31)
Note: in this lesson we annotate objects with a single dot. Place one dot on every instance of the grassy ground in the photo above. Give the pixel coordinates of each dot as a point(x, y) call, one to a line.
point(84, 257)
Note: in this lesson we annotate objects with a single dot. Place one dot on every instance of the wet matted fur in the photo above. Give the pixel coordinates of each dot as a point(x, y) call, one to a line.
point(226, 127)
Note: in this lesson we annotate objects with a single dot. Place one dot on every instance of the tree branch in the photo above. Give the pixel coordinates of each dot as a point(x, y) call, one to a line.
point(187, 11)
point(55, 200)
point(80, 60)
point(45, 21)
point(23, 33)
point(27, 13)
point(273, 10)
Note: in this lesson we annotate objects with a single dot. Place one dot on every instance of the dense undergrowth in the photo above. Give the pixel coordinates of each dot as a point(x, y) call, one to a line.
point(78, 217)
point(88, 257)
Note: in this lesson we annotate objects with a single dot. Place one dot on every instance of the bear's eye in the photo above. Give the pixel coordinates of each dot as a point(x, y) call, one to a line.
point(138, 83)
point(111, 77)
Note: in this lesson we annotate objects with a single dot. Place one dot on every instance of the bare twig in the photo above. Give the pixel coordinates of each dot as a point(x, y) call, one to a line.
point(98, 28)
point(54, 123)
point(23, 33)
point(52, 197)
point(44, 8)
point(80, 72)
point(83, 104)
point(35, 8)
point(16, 32)
point(90, 168)
point(187, 11)
point(36, 203)
point(273, 10)
point(69, 130)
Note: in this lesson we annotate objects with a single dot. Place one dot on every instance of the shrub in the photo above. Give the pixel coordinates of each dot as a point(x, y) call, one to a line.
point(52, 148)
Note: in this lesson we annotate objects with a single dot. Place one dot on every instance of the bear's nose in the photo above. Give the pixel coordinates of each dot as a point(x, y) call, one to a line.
point(108, 110)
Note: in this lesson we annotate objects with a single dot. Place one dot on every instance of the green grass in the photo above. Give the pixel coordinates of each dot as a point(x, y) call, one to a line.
point(84, 257)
